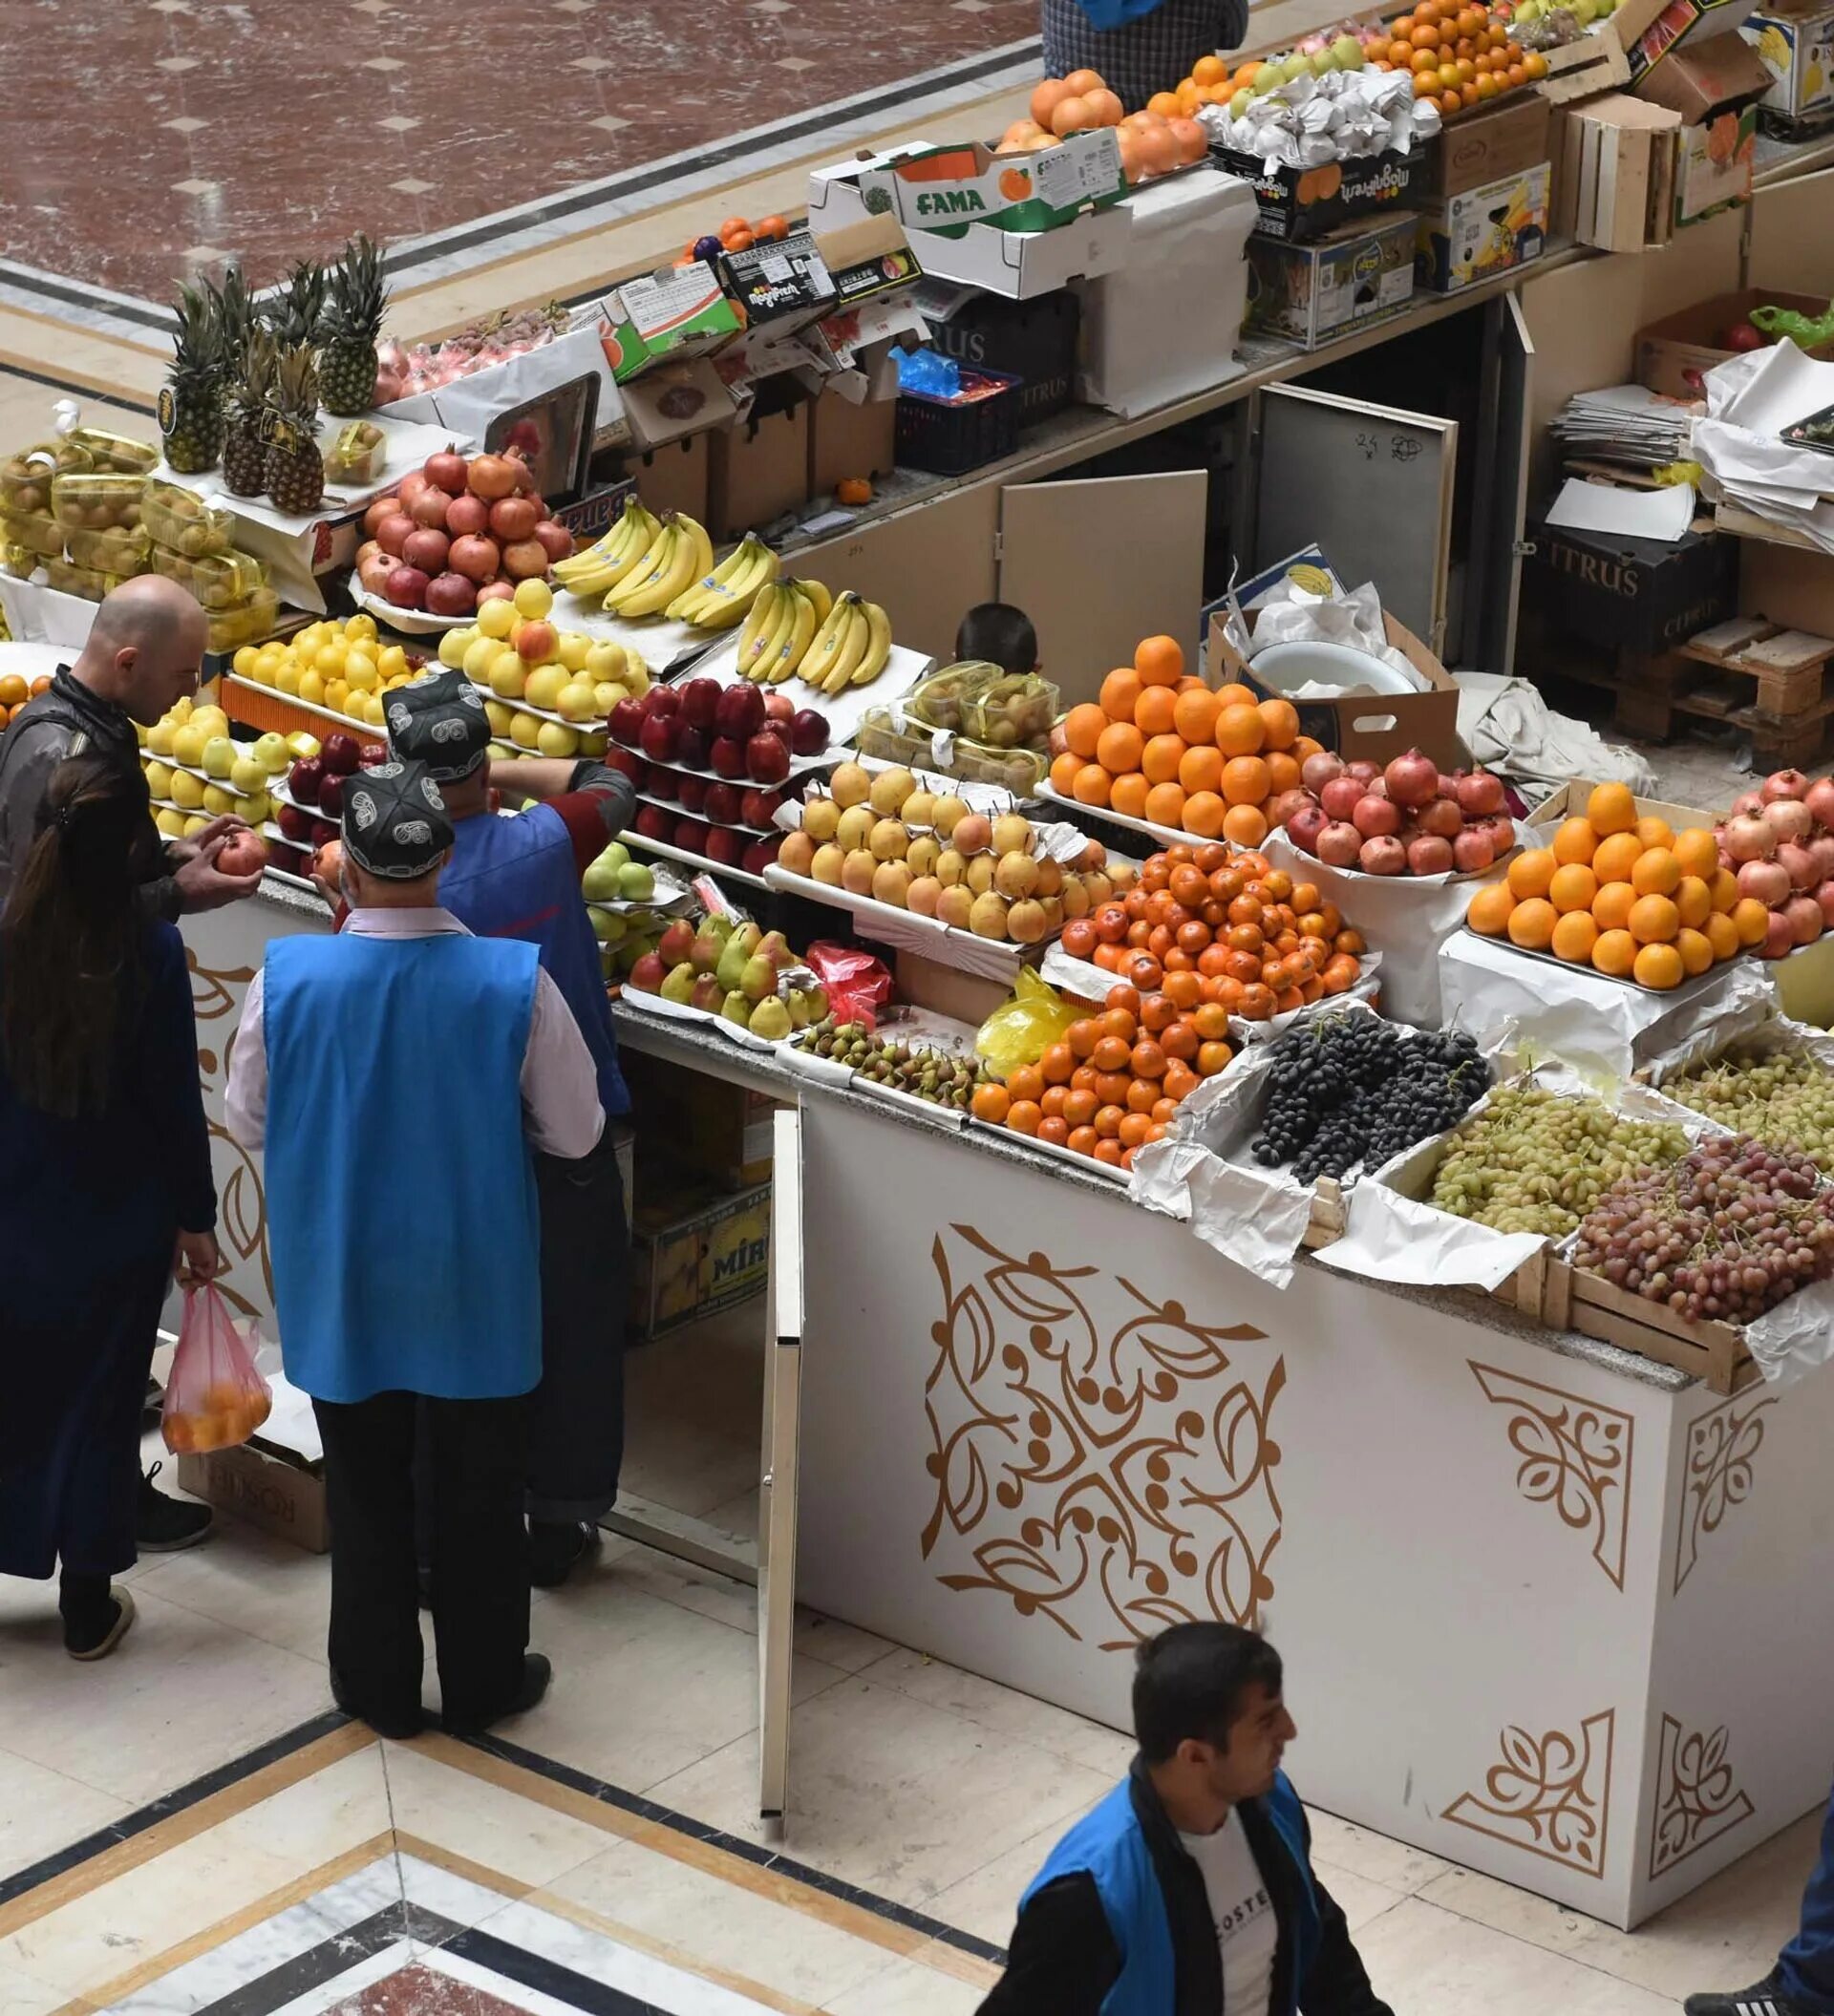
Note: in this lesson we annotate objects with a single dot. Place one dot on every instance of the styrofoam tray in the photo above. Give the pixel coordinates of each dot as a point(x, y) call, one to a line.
point(699, 863)
point(987, 958)
point(843, 711)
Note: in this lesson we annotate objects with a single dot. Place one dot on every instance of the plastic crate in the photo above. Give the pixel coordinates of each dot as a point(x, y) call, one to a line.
point(950, 437)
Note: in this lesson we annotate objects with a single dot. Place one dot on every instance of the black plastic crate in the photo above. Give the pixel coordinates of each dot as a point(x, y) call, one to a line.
point(950, 437)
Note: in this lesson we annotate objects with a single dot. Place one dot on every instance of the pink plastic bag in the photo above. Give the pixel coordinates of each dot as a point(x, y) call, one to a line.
point(215, 1397)
point(857, 985)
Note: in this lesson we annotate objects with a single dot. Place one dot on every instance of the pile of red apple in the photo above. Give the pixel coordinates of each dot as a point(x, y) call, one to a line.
point(457, 532)
point(707, 762)
point(1407, 818)
point(315, 787)
point(1779, 841)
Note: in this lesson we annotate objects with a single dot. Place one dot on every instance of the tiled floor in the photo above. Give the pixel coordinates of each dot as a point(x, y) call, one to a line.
point(611, 1845)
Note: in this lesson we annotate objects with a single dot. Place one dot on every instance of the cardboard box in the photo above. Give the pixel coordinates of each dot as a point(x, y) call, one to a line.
point(1642, 596)
point(696, 1129)
point(1034, 341)
point(690, 1261)
point(1795, 42)
point(946, 189)
point(1654, 31)
point(757, 471)
point(1484, 231)
point(1021, 265)
point(268, 1487)
point(1714, 169)
point(1473, 153)
point(1375, 726)
point(869, 260)
point(1314, 294)
point(675, 398)
point(1302, 206)
point(850, 437)
point(1673, 355)
point(1615, 173)
point(675, 313)
point(782, 283)
point(673, 477)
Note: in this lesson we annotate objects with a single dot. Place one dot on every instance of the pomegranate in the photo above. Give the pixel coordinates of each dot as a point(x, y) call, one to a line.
point(554, 537)
point(1340, 844)
point(1784, 784)
point(1779, 937)
point(525, 560)
point(1767, 880)
point(1798, 863)
point(492, 475)
point(1748, 838)
point(374, 571)
point(392, 534)
point(1304, 825)
point(451, 595)
point(475, 557)
point(1820, 801)
point(1375, 818)
point(429, 508)
point(1363, 771)
point(447, 471)
point(1443, 817)
point(466, 515)
point(426, 548)
point(1480, 792)
point(1285, 804)
point(1472, 852)
point(365, 550)
point(1804, 916)
point(383, 507)
point(512, 518)
point(1745, 802)
point(1429, 855)
point(496, 591)
point(410, 487)
point(1824, 896)
point(243, 853)
point(406, 587)
point(1820, 850)
point(1412, 779)
point(1788, 818)
point(1317, 771)
point(1341, 796)
point(1384, 855)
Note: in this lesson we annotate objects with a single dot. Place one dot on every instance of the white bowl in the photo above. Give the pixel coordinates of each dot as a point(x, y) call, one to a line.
point(1285, 668)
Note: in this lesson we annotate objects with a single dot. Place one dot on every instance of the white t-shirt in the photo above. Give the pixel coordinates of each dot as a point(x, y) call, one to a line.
point(1246, 1930)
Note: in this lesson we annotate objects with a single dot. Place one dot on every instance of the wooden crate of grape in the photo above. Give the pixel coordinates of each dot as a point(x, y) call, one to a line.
point(1716, 1353)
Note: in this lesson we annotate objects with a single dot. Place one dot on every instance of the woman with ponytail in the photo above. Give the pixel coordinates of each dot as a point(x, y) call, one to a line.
point(105, 1186)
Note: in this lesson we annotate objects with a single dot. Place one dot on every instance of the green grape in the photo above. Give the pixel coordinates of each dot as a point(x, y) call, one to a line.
point(1785, 1100)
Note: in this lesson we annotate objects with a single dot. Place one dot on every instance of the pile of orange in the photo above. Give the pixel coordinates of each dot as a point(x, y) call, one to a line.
point(1624, 893)
point(1458, 56)
point(1203, 924)
point(1117, 1078)
point(1161, 746)
point(15, 690)
point(1211, 83)
point(736, 235)
point(1152, 143)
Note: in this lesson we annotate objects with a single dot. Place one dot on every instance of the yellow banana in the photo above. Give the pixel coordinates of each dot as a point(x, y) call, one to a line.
point(847, 660)
point(604, 566)
point(648, 591)
point(645, 566)
point(819, 596)
point(878, 644)
point(825, 650)
point(803, 630)
point(703, 545)
point(782, 631)
point(760, 619)
point(722, 599)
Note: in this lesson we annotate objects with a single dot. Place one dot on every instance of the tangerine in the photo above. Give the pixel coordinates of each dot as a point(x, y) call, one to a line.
point(1612, 809)
point(990, 1102)
point(1120, 693)
point(1200, 768)
point(1612, 906)
point(1698, 851)
point(1574, 887)
point(1573, 842)
point(1024, 1116)
point(1155, 709)
point(1165, 806)
point(1615, 855)
point(1724, 885)
point(1695, 950)
point(1119, 748)
point(1751, 920)
point(1204, 813)
point(1722, 935)
point(1654, 831)
point(1656, 872)
point(1246, 825)
point(1246, 781)
point(1615, 954)
point(1160, 661)
point(1281, 721)
point(1489, 908)
point(1090, 785)
point(1160, 759)
point(1194, 712)
point(1693, 900)
point(1127, 795)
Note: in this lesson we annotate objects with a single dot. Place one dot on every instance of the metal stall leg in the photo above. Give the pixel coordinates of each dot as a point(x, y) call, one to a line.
point(777, 1491)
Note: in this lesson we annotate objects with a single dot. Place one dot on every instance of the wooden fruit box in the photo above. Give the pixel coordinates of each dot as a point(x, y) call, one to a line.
point(1326, 1221)
point(1716, 1353)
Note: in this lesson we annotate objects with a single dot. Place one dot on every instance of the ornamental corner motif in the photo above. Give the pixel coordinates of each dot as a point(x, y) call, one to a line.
point(1697, 1799)
point(1551, 1795)
point(1722, 1444)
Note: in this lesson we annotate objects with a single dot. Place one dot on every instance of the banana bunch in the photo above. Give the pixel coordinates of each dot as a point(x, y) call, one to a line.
point(722, 598)
point(851, 647)
point(780, 627)
point(601, 566)
point(668, 566)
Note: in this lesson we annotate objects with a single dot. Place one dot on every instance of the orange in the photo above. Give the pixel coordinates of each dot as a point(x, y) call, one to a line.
point(1751, 920)
point(1164, 104)
point(1615, 954)
point(1695, 950)
point(1056, 1063)
point(1532, 872)
point(1724, 885)
point(1166, 805)
point(1159, 661)
point(1127, 795)
point(1240, 730)
point(1574, 937)
point(12, 690)
point(1613, 905)
point(1160, 758)
point(990, 1102)
point(1722, 935)
point(1090, 786)
point(1531, 923)
point(1118, 747)
point(1658, 965)
point(1082, 728)
point(1616, 856)
point(1023, 1116)
point(1574, 841)
point(1656, 873)
point(1201, 768)
point(1025, 1081)
point(1246, 781)
point(1205, 813)
point(1654, 920)
point(1693, 900)
point(1155, 709)
point(1612, 809)
point(1698, 851)
point(1236, 694)
point(1120, 694)
point(1082, 81)
point(1283, 772)
point(1209, 70)
point(1654, 832)
point(1489, 909)
point(1194, 712)
point(1572, 888)
point(1246, 825)
point(1281, 719)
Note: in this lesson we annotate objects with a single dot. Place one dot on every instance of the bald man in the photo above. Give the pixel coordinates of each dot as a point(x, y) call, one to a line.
point(145, 650)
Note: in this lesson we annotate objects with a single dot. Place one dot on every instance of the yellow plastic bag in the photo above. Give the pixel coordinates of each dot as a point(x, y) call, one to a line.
point(1024, 1026)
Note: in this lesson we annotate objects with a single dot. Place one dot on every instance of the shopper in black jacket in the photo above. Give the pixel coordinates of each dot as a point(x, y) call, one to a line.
point(1189, 1890)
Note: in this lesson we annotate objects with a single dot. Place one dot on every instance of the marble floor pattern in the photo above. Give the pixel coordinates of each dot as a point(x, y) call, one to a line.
point(188, 1828)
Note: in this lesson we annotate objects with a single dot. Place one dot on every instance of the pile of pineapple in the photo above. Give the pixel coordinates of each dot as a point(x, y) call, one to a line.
point(344, 667)
point(247, 382)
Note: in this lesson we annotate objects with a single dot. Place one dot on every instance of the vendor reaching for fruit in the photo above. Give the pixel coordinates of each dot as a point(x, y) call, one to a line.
point(1135, 48)
point(520, 878)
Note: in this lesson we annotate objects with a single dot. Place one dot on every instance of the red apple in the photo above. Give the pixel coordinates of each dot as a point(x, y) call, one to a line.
point(294, 824)
point(725, 847)
point(654, 823)
point(627, 761)
point(657, 740)
point(760, 854)
point(626, 722)
point(690, 747)
point(727, 756)
point(700, 702)
point(331, 798)
point(690, 836)
point(809, 732)
point(339, 754)
point(496, 591)
point(758, 807)
point(322, 830)
point(741, 711)
point(689, 791)
point(304, 780)
point(662, 700)
point(767, 758)
point(724, 804)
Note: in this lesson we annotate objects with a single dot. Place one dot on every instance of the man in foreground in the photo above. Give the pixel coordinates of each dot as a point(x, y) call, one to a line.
point(1801, 1983)
point(520, 878)
point(1189, 1890)
point(398, 1074)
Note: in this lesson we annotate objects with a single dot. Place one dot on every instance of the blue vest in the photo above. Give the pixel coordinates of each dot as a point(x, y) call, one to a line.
point(1108, 1845)
point(400, 1187)
point(517, 879)
point(1110, 14)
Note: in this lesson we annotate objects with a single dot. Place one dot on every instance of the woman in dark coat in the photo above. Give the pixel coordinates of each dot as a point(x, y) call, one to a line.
point(104, 1186)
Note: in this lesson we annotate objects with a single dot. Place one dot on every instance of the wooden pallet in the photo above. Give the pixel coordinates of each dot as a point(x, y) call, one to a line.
point(1749, 674)
point(1787, 665)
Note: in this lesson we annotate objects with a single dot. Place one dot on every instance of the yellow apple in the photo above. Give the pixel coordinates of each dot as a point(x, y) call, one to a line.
point(171, 824)
point(159, 738)
point(579, 700)
point(544, 687)
point(525, 731)
point(574, 650)
point(554, 740)
point(159, 781)
point(217, 801)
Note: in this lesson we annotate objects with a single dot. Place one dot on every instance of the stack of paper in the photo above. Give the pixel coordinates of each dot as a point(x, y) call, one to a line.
point(1664, 514)
point(1628, 425)
point(1750, 400)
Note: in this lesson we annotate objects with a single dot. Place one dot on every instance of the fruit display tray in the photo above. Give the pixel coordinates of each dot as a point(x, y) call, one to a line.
point(987, 958)
point(699, 863)
point(843, 711)
point(1716, 1353)
point(657, 1005)
point(346, 723)
point(1087, 1164)
point(675, 806)
point(661, 642)
point(267, 829)
point(1691, 988)
point(411, 623)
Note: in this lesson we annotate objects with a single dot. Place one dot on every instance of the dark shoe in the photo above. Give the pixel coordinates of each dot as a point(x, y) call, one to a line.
point(398, 1727)
point(94, 1634)
point(151, 1407)
point(164, 1525)
point(538, 1671)
point(554, 1552)
point(1766, 1999)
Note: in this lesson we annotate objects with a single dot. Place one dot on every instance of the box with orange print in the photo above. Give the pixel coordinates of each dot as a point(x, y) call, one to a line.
point(1298, 205)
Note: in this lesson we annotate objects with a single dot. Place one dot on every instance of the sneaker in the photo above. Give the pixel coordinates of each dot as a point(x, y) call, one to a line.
point(538, 1671)
point(1767, 1998)
point(165, 1525)
point(95, 1637)
point(554, 1552)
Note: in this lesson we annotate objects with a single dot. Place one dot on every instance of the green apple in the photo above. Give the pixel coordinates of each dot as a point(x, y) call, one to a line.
point(614, 855)
point(599, 885)
point(218, 801)
point(218, 757)
point(606, 693)
point(271, 752)
point(606, 660)
point(578, 700)
point(187, 793)
point(187, 745)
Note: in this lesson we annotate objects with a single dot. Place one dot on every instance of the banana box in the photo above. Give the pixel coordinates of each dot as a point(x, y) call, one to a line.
point(1795, 45)
point(1484, 231)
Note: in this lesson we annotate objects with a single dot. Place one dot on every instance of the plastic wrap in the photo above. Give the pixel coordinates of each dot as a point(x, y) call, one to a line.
point(181, 519)
point(93, 502)
point(219, 581)
point(1025, 1024)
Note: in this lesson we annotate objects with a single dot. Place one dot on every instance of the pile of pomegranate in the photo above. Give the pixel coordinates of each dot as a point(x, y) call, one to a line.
point(457, 532)
point(1407, 817)
point(1779, 841)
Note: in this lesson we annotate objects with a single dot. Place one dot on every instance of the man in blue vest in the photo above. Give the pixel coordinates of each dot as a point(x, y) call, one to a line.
point(520, 878)
point(1189, 1890)
point(398, 1074)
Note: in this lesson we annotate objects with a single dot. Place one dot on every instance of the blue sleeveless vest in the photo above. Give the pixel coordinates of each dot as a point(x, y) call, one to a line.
point(517, 879)
point(1107, 1844)
point(410, 1262)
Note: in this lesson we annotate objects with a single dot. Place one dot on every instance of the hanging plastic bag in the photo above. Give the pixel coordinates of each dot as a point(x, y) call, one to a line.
point(857, 985)
point(1025, 1024)
point(214, 1398)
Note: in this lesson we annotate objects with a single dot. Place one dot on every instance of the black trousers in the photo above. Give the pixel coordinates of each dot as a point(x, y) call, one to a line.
point(476, 1464)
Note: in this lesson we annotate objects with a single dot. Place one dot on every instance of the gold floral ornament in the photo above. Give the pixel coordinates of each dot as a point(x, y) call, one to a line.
point(1575, 1456)
point(1098, 1460)
point(1722, 1445)
point(1696, 1800)
point(1550, 1794)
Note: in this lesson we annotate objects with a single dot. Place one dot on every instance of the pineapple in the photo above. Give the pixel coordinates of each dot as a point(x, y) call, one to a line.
point(249, 420)
point(295, 467)
point(235, 310)
point(191, 400)
point(296, 311)
point(353, 321)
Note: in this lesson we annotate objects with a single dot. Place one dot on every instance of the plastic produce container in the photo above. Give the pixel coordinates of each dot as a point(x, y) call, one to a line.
point(219, 581)
point(950, 437)
point(93, 502)
point(248, 622)
point(35, 530)
point(114, 550)
point(116, 453)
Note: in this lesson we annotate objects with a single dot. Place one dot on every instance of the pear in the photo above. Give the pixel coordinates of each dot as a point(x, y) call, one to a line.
point(679, 984)
point(776, 947)
point(709, 996)
point(772, 1020)
point(730, 972)
point(826, 864)
point(749, 935)
point(736, 1008)
point(822, 820)
point(616, 855)
point(637, 882)
point(706, 948)
point(757, 978)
